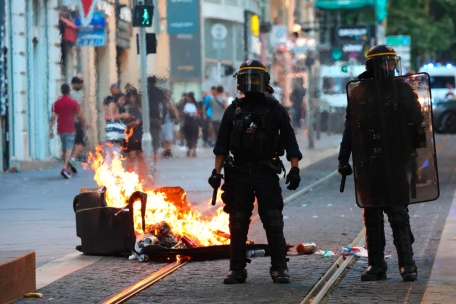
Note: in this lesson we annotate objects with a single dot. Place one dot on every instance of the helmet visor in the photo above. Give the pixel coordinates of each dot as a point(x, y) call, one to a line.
point(251, 81)
point(387, 66)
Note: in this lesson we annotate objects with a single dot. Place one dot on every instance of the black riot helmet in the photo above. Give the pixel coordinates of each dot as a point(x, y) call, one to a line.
point(253, 76)
point(383, 62)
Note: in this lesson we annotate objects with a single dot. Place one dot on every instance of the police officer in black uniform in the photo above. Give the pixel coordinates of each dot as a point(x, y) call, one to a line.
point(256, 130)
point(382, 63)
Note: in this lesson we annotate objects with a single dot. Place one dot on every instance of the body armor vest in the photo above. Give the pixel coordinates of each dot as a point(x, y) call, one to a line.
point(254, 135)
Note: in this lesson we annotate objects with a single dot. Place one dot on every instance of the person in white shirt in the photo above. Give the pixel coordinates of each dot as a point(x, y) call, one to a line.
point(191, 124)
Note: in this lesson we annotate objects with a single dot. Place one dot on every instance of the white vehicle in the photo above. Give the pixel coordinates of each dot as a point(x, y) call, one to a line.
point(333, 82)
point(333, 97)
point(441, 78)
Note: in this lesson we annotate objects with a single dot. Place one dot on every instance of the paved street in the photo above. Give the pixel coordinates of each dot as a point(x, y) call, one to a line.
point(324, 216)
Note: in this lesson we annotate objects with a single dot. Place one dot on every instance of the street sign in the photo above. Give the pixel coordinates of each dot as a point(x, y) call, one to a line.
point(398, 40)
point(86, 8)
point(91, 36)
point(219, 31)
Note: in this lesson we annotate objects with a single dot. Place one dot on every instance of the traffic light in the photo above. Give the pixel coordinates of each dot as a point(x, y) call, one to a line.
point(344, 68)
point(142, 15)
point(336, 53)
point(151, 43)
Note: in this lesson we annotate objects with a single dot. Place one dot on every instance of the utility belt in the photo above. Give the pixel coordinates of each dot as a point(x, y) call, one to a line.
point(275, 165)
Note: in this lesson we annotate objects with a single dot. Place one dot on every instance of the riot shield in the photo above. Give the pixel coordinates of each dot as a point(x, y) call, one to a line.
point(392, 140)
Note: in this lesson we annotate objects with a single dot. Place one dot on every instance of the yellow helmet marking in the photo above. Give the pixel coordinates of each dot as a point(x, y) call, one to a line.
point(253, 68)
point(381, 54)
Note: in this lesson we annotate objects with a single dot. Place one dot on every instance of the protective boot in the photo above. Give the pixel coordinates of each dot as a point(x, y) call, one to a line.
point(273, 224)
point(400, 224)
point(239, 227)
point(377, 267)
point(407, 267)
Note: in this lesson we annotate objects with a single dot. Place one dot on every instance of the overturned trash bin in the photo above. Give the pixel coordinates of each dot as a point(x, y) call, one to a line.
point(105, 230)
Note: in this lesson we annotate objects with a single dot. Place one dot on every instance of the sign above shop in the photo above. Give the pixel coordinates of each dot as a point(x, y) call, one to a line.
point(86, 9)
point(91, 36)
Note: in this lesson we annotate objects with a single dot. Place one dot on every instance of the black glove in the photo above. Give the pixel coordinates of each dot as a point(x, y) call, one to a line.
point(293, 178)
point(215, 179)
point(344, 168)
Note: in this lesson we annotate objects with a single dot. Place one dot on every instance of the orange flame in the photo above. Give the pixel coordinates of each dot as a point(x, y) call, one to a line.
point(120, 184)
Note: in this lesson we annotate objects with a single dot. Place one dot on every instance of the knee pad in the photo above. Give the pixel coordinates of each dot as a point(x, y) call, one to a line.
point(373, 217)
point(398, 218)
point(272, 221)
point(239, 222)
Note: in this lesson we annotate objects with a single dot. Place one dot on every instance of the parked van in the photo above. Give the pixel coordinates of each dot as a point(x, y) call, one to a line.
point(441, 78)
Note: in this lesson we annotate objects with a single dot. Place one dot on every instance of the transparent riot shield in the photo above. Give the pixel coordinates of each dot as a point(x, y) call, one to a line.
point(392, 139)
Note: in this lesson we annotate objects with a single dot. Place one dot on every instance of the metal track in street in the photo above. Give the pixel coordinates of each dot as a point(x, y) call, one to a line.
point(145, 283)
point(323, 285)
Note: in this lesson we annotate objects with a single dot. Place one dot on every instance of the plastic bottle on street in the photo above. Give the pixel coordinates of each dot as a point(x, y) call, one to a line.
point(255, 253)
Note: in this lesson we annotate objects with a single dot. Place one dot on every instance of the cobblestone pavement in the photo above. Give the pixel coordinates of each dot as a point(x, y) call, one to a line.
point(427, 222)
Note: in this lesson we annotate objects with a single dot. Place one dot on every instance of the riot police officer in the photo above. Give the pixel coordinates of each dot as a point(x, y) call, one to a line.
point(256, 130)
point(384, 111)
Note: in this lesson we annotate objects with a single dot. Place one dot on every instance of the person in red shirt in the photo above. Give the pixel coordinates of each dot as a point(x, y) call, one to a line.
point(64, 110)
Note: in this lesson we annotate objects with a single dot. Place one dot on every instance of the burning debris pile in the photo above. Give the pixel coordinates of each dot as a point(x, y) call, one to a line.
point(159, 217)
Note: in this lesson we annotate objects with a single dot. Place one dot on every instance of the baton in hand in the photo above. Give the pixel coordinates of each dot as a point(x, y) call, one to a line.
point(342, 183)
point(214, 196)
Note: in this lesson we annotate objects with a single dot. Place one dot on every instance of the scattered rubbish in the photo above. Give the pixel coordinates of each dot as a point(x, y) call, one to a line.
point(325, 253)
point(351, 208)
point(417, 215)
point(305, 205)
point(188, 242)
point(329, 205)
point(33, 295)
point(255, 253)
point(454, 239)
point(285, 217)
point(353, 251)
point(143, 258)
point(315, 216)
point(133, 256)
point(388, 256)
point(344, 233)
point(222, 234)
point(306, 248)
point(342, 215)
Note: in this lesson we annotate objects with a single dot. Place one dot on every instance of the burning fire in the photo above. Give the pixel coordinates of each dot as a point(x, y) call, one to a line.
point(183, 221)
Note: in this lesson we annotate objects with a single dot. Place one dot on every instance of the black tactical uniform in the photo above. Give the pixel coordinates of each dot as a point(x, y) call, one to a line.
point(394, 194)
point(256, 130)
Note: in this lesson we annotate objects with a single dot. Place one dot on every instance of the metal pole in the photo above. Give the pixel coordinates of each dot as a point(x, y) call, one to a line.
point(219, 64)
point(146, 140)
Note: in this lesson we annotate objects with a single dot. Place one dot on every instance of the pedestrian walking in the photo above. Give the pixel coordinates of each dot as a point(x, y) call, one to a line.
point(256, 130)
point(167, 130)
point(156, 97)
point(64, 111)
point(77, 94)
point(191, 124)
point(382, 128)
point(218, 108)
point(207, 116)
point(297, 101)
point(133, 142)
